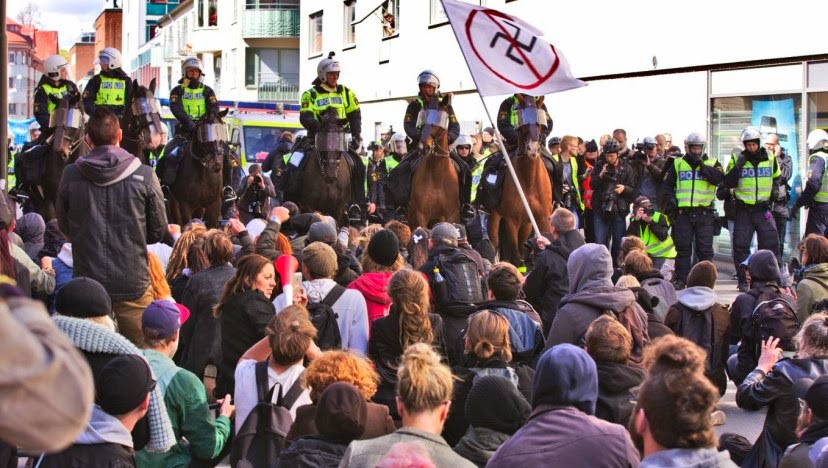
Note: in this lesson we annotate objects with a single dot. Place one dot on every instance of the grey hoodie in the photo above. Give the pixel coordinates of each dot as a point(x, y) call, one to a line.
point(688, 458)
point(698, 297)
point(590, 293)
point(107, 164)
point(103, 428)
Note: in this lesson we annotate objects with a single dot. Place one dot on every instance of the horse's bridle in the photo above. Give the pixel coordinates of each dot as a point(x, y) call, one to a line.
point(209, 133)
point(68, 124)
point(145, 113)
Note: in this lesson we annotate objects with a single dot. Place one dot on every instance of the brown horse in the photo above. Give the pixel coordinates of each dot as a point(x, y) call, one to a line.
point(435, 182)
point(534, 179)
point(326, 182)
point(66, 126)
point(196, 192)
point(141, 123)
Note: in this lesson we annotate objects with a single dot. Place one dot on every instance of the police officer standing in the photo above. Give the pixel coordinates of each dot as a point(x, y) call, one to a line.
point(429, 85)
point(53, 86)
point(328, 93)
point(752, 178)
point(689, 189)
point(109, 88)
point(815, 194)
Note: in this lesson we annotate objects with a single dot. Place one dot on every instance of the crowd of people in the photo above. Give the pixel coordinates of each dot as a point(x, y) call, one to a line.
point(284, 339)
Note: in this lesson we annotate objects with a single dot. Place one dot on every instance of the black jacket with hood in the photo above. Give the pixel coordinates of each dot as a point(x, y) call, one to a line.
point(111, 207)
point(590, 294)
point(549, 281)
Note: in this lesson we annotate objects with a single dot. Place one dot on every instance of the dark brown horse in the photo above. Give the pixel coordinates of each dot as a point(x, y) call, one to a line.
point(534, 179)
point(66, 125)
point(326, 183)
point(196, 192)
point(435, 182)
point(141, 123)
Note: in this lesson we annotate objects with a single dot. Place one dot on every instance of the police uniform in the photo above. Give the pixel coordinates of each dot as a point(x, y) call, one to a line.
point(47, 95)
point(319, 99)
point(110, 89)
point(658, 243)
point(689, 190)
point(815, 194)
point(752, 184)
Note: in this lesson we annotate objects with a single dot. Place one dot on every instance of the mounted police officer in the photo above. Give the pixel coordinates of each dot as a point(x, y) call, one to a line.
point(815, 194)
point(752, 177)
point(507, 121)
point(325, 94)
point(109, 88)
point(429, 85)
point(689, 189)
point(53, 86)
point(190, 101)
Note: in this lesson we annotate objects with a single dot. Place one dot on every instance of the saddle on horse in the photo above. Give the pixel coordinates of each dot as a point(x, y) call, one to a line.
point(398, 181)
point(490, 189)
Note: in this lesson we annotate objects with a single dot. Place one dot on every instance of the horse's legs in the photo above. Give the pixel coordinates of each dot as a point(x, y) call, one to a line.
point(510, 242)
point(523, 233)
point(212, 214)
point(494, 228)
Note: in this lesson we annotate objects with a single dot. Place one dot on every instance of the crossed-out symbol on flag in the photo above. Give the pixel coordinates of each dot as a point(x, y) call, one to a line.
point(513, 41)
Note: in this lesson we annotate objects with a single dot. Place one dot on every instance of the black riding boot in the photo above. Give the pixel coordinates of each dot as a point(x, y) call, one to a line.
point(464, 185)
point(228, 195)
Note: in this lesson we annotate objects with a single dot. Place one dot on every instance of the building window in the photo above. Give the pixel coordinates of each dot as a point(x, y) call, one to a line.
point(12, 108)
point(11, 58)
point(207, 14)
point(11, 82)
point(212, 13)
point(390, 18)
point(349, 16)
point(21, 59)
point(271, 4)
point(315, 34)
point(151, 27)
point(438, 15)
point(163, 2)
point(271, 67)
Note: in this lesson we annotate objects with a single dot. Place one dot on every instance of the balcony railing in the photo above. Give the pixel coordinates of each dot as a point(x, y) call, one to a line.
point(273, 87)
point(270, 23)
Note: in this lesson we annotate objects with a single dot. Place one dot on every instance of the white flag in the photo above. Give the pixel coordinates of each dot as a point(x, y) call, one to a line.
point(506, 55)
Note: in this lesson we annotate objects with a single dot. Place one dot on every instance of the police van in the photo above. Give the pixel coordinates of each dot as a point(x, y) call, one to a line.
point(255, 133)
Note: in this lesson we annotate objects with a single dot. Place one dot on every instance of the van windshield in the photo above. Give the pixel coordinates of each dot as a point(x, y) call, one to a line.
point(259, 140)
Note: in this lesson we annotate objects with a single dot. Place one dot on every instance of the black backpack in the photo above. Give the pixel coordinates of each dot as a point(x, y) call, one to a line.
point(324, 318)
point(461, 290)
point(698, 327)
point(774, 315)
point(262, 434)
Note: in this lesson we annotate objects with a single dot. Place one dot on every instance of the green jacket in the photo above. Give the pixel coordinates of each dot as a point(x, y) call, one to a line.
point(186, 401)
point(809, 291)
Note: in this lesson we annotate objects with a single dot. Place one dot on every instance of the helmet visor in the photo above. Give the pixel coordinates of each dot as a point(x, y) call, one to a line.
point(531, 116)
point(433, 117)
point(145, 106)
point(332, 141)
point(70, 118)
point(208, 133)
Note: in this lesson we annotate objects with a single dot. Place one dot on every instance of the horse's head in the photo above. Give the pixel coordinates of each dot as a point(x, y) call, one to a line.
point(531, 122)
point(210, 140)
point(143, 116)
point(331, 143)
point(433, 121)
point(67, 125)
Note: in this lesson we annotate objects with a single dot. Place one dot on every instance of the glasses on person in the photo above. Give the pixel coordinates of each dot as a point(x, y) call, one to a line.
point(802, 403)
point(463, 147)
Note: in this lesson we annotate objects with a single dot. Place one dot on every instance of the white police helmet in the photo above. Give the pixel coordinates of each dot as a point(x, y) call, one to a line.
point(428, 77)
point(327, 65)
point(694, 139)
point(817, 139)
point(463, 140)
point(34, 126)
point(750, 134)
point(113, 55)
point(53, 65)
point(192, 62)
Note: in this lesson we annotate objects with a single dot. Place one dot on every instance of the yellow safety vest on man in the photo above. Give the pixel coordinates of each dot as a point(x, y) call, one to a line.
point(573, 164)
point(691, 189)
point(756, 182)
point(822, 195)
point(58, 93)
point(655, 247)
point(343, 100)
point(476, 174)
point(193, 101)
point(112, 92)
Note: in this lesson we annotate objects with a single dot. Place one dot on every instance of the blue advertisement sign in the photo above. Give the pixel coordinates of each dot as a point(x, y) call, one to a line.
point(778, 117)
point(19, 129)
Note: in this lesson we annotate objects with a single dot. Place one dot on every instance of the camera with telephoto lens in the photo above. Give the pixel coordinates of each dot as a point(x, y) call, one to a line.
point(649, 211)
point(256, 197)
point(609, 204)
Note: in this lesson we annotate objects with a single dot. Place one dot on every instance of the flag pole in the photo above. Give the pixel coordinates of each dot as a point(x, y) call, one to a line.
point(499, 140)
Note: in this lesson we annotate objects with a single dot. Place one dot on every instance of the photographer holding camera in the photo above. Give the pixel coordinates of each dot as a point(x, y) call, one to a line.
point(255, 190)
point(648, 167)
point(612, 182)
point(653, 228)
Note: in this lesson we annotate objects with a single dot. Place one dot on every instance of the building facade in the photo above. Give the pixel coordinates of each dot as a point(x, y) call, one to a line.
point(82, 56)
point(140, 29)
point(249, 48)
point(644, 74)
point(108, 29)
point(24, 71)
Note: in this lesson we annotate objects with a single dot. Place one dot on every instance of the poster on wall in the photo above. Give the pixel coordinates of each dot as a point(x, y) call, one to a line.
point(778, 117)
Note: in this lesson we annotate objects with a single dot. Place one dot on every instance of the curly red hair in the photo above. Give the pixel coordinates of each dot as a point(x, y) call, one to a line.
point(340, 366)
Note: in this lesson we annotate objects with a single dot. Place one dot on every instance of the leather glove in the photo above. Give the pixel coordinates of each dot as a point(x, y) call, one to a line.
point(354, 144)
point(740, 163)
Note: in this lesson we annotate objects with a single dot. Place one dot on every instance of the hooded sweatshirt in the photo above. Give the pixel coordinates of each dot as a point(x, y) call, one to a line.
point(688, 458)
point(31, 228)
point(107, 164)
point(561, 426)
point(373, 288)
point(809, 291)
point(105, 442)
point(590, 294)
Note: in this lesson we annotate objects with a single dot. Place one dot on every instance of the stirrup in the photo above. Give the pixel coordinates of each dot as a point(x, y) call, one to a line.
point(466, 212)
point(354, 214)
point(229, 194)
point(165, 190)
point(20, 195)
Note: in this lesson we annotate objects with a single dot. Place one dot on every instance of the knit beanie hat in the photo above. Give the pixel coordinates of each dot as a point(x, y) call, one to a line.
point(341, 413)
point(321, 231)
point(83, 297)
point(507, 416)
point(703, 274)
point(384, 247)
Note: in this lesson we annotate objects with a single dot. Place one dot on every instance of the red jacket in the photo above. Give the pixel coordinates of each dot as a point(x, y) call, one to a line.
point(373, 289)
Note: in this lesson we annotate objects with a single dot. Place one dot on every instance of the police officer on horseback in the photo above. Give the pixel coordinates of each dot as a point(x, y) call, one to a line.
point(190, 101)
point(429, 85)
point(53, 86)
point(325, 94)
point(109, 88)
point(507, 121)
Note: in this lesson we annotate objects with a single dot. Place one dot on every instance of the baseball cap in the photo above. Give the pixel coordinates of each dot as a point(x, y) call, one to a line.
point(165, 317)
point(123, 384)
point(446, 233)
point(321, 231)
point(815, 393)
